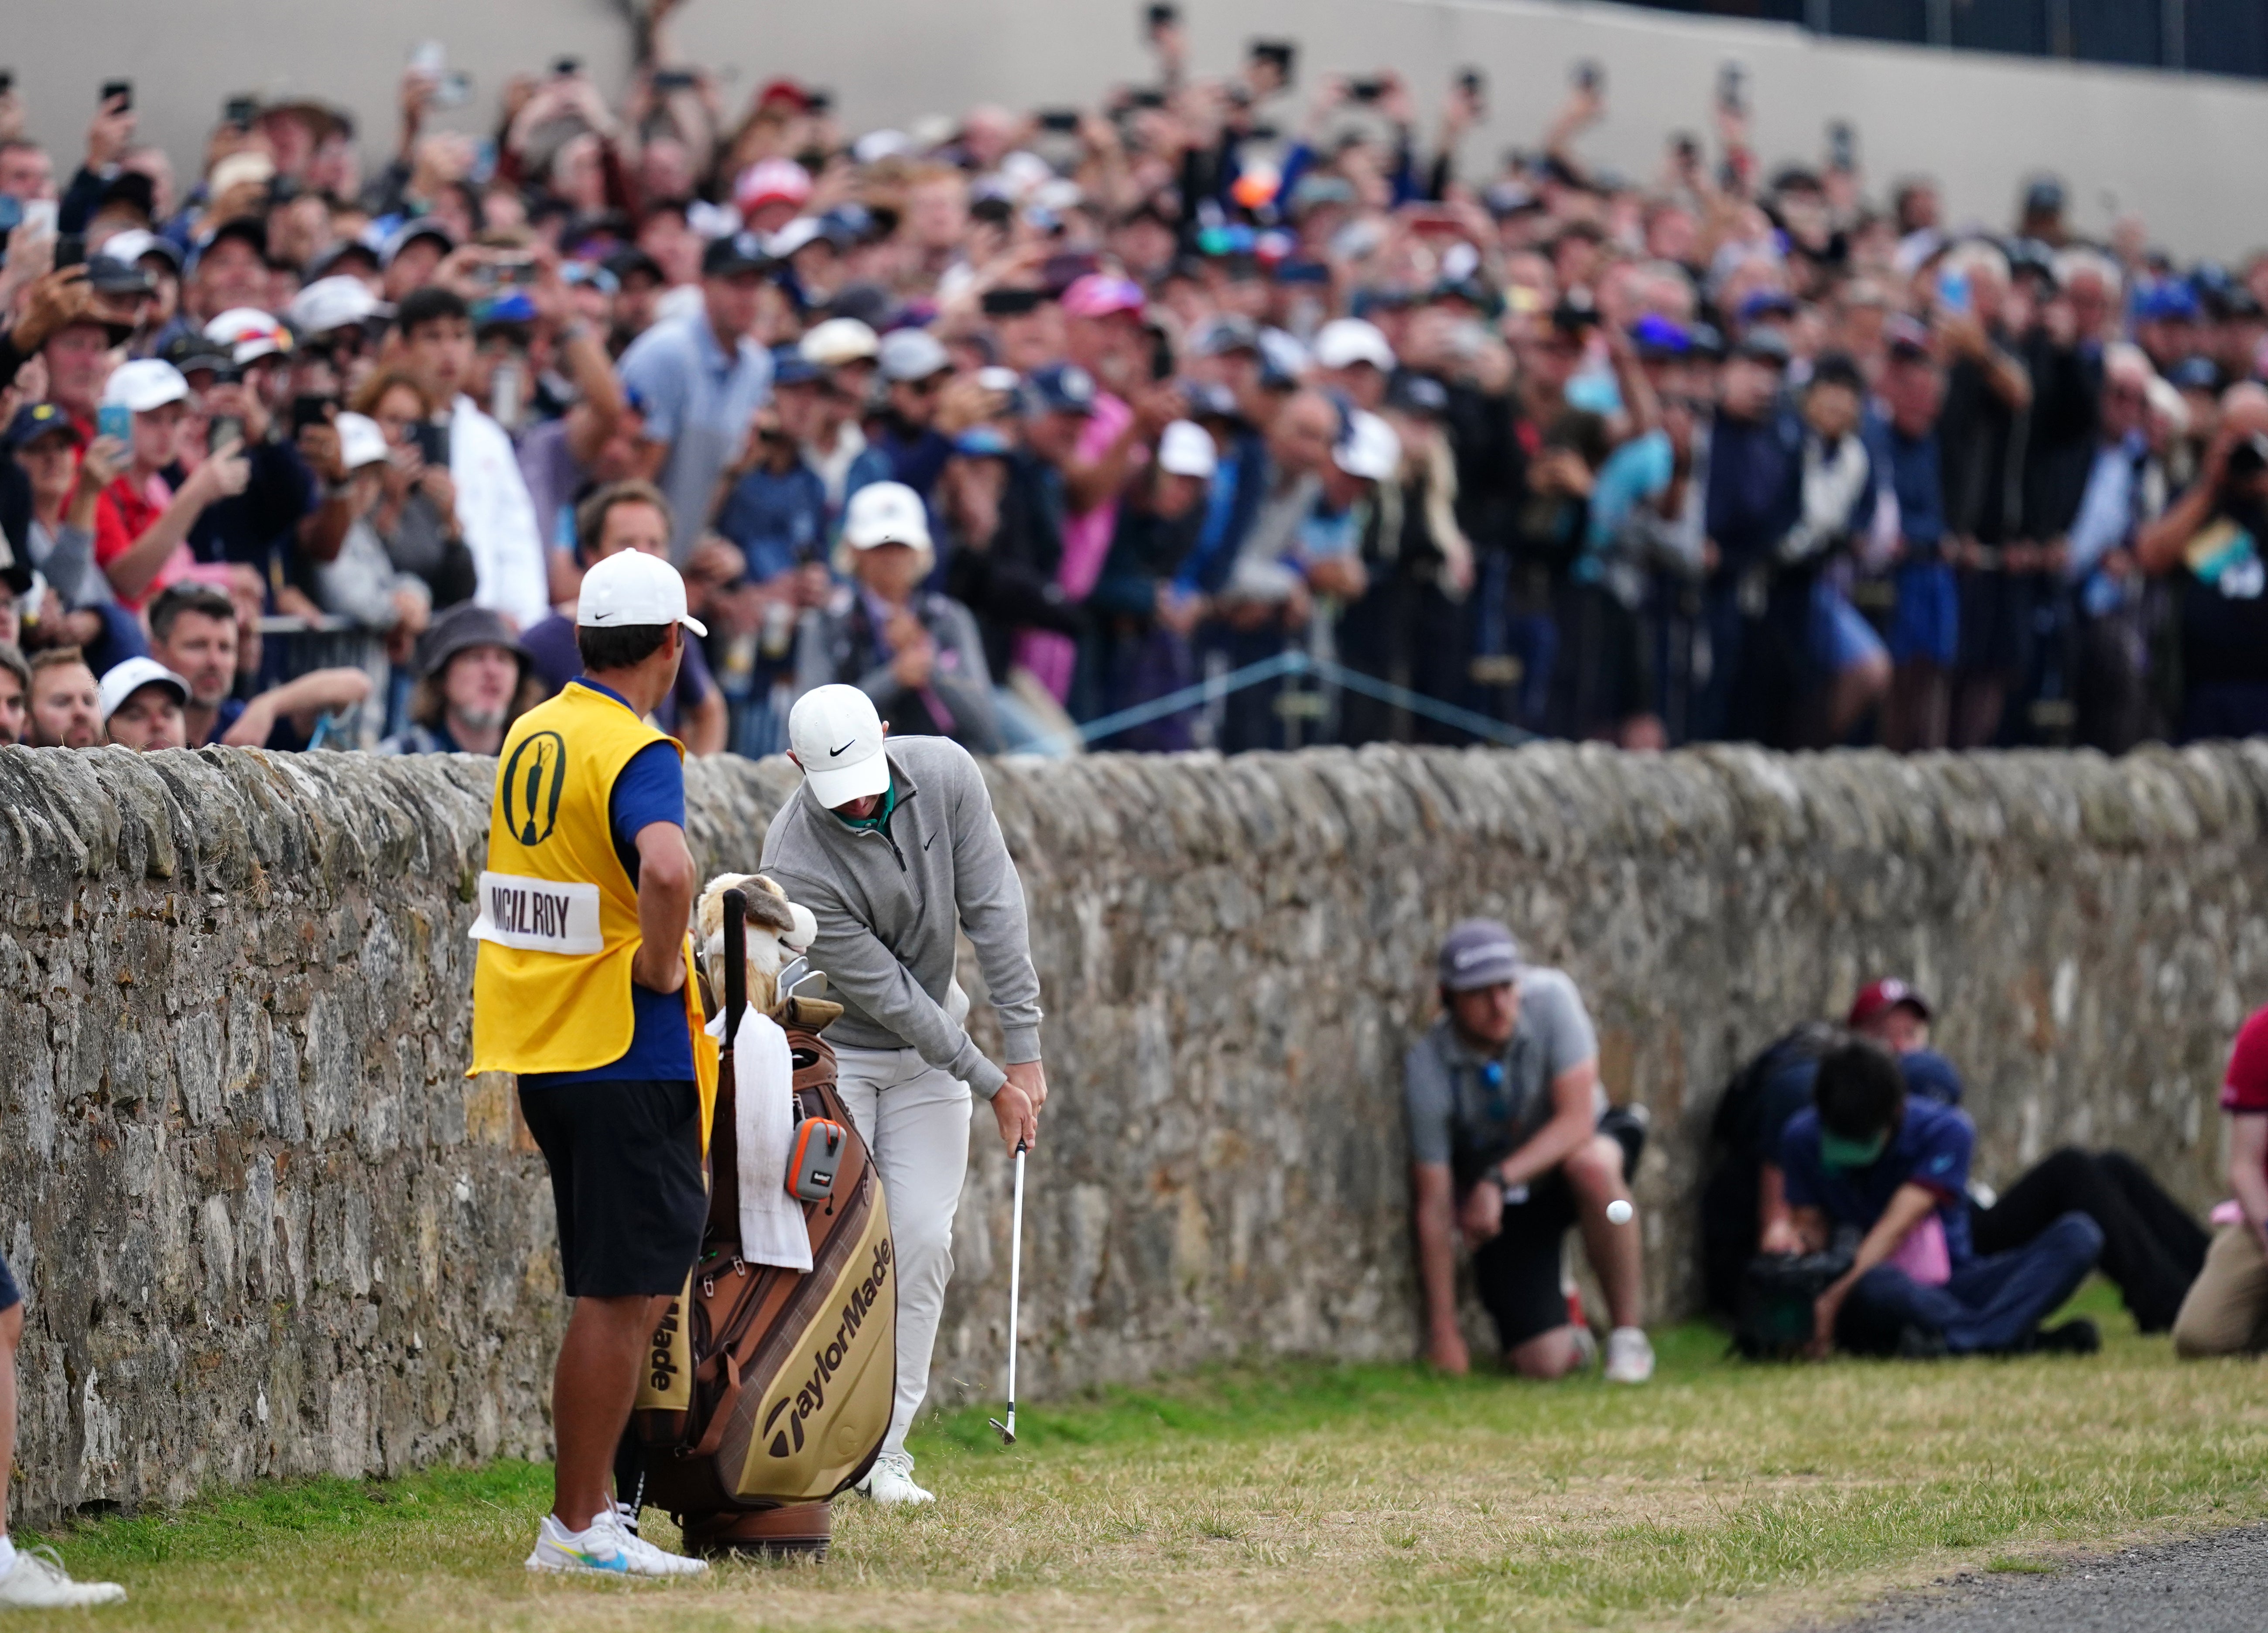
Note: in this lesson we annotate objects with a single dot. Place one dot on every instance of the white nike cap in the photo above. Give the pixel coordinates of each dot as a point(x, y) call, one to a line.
point(631, 589)
point(837, 738)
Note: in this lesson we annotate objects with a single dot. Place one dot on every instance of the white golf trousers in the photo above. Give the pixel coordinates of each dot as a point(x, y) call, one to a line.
point(915, 1119)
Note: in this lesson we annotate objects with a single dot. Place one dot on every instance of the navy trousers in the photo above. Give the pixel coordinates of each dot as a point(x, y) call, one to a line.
point(1992, 1304)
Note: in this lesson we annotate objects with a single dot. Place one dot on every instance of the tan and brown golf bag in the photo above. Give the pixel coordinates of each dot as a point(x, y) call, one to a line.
point(768, 1392)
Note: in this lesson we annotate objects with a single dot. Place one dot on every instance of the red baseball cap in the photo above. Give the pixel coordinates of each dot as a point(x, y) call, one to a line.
point(1878, 1000)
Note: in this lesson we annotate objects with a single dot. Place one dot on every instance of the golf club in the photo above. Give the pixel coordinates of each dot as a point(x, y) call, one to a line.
point(1015, 1278)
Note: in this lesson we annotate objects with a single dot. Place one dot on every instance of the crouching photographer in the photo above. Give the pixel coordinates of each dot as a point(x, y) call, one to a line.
point(1512, 1143)
point(1872, 1172)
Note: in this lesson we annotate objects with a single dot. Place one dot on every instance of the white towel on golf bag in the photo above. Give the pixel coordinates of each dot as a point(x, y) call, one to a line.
point(772, 1230)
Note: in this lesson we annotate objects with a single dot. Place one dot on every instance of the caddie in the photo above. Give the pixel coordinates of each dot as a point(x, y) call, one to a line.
point(894, 847)
point(581, 988)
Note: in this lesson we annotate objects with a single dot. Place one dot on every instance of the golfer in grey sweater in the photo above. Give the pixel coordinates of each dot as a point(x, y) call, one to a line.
point(893, 849)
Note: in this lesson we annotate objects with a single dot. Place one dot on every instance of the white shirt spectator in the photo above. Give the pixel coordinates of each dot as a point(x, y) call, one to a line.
point(498, 518)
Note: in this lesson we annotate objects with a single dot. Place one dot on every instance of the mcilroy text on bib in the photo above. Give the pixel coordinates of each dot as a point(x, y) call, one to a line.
point(538, 914)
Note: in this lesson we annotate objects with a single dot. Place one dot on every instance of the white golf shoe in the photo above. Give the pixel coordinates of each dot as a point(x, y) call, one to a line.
point(1629, 1355)
point(38, 1581)
point(604, 1550)
point(890, 1482)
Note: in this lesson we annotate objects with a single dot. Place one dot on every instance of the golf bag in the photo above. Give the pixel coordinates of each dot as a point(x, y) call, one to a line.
point(768, 1391)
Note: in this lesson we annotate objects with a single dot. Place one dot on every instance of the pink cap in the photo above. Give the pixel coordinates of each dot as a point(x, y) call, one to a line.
point(1102, 294)
point(771, 181)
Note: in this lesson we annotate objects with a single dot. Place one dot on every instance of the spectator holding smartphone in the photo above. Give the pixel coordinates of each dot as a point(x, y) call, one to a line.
point(141, 521)
point(416, 516)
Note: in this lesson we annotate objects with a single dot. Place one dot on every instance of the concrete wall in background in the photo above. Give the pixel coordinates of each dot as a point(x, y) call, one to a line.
point(2181, 149)
point(265, 1227)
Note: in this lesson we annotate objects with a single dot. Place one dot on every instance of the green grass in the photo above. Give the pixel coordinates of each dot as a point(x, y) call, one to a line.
point(1295, 1495)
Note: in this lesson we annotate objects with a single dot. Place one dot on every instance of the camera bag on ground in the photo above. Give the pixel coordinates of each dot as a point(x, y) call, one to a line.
point(1766, 1091)
point(1778, 1293)
point(768, 1391)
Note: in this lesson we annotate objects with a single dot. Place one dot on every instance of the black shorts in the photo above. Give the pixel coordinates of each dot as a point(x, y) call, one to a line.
point(11, 1295)
point(1516, 1271)
point(625, 1160)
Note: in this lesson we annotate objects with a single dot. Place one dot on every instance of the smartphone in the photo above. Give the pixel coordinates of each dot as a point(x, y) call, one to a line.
point(71, 250)
point(225, 432)
point(432, 442)
point(1062, 119)
point(1688, 150)
point(669, 79)
point(820, 102)
point(507, 393)
point(38, 217)
point(567, 67)
point(1366, 90)
point(1732, 93)
point(115, 420)
point(7, 80)
point(1953, 291)
point(119, 91)
point(310, 408)
point(1146, 98)
point(1842, 147)
point(241, 111)
point(1475, 86)
point(1589, 76)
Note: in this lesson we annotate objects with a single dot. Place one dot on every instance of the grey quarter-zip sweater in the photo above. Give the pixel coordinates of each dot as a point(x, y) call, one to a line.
point(889, 899)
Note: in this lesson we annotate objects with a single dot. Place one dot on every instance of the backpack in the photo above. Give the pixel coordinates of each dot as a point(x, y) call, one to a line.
point(1728, 1196)
point(768, 1391)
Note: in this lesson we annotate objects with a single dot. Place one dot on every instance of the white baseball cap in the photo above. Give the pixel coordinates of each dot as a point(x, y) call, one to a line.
point(1185, 449)
point(837, 739)
point(1344, 342)
point(361, 441)
point(333, 303)
point(145, 384)
point(632, 590)
point(1370, 450)
point(912, 355)
point(839, 341)
point(122, 680)
point(885, 512)
point(252, 334)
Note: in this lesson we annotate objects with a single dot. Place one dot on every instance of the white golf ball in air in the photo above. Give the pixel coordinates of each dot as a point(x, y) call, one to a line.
point(1618, 1212)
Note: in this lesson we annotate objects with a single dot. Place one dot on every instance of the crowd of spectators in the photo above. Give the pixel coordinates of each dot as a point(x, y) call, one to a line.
point(1024, 421)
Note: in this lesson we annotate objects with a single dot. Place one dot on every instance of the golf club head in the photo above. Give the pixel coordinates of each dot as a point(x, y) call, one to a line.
point(1007, 1435)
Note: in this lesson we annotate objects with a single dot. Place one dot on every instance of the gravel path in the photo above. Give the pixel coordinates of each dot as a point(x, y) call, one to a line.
point(2213, 1585)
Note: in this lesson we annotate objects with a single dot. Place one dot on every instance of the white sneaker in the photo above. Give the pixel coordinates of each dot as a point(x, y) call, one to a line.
point(38, 1581)
point(647, 1560)
point(604, 1550)
point(1629, 1355)
point(891, 1482)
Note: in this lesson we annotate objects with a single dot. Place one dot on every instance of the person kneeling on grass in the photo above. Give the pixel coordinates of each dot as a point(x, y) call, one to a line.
point(1505, 1141)
point(30, 1578)
point(2227, 1310)
point(1867, 1165)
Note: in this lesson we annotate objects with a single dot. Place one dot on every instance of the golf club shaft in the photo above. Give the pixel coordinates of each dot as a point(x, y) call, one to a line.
point(1015, 1281)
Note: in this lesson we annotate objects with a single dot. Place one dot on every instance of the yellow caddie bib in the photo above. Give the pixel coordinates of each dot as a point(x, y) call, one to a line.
point(557, 920)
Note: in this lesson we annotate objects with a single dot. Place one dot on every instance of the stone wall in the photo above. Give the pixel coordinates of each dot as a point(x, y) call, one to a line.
point(268, 1228)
